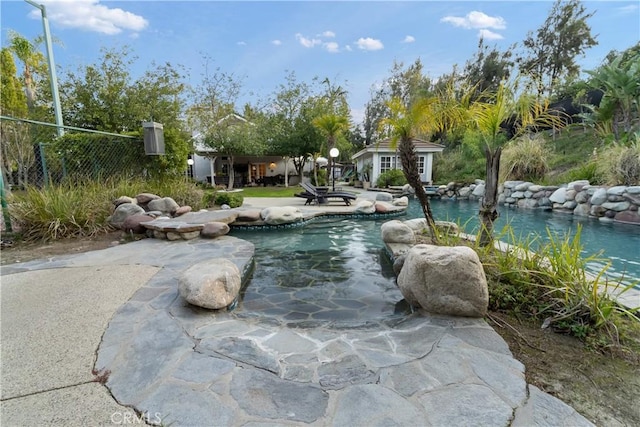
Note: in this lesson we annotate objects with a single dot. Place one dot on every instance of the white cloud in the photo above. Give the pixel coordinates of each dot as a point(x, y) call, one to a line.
point(242, 43)
point(328, 34)
point(90, 15)
point(307, 42)
point(475, 19)
point(369, 44)
point(348, 48)
point(489, 35)
point(628, 9)
point(332, 47)
point(276, 42)
point(409, 39)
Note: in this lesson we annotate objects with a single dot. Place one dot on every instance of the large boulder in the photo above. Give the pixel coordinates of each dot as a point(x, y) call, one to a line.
point(144, 198)
point(281, 215)
point(124, 199)
point(401, 201)
point(383, 196)
point(478, 191)
point(164, 205)
point(445, 280)
point(211, 284)
point(211, 230)
point(365, 207)
point(122, 212)
point(386, 207)
point(249, 215)
point(417, 224)
point(133, 224)
point(599, 196)
point(397, 232)
point(559, 196)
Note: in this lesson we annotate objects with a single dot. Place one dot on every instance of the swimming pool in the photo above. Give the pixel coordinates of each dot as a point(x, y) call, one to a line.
point(335, 269)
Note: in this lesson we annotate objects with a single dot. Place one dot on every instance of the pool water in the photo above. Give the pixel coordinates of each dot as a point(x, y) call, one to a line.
point(336, 270)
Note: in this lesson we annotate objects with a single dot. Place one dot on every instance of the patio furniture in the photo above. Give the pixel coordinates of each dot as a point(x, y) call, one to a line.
point(321, 195)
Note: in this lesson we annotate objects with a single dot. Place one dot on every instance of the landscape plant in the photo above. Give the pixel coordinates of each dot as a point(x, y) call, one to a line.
point(392, 177)
point(81, 209)
point(619, 164)
point(525, 158)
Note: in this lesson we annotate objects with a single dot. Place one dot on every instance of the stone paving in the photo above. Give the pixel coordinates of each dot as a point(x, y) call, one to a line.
point(181, 365)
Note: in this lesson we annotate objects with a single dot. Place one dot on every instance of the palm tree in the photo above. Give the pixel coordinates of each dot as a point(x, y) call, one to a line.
point(621, 90)
point(405, 123)
point(524, 113)
point(332, 125)
point(32, 60)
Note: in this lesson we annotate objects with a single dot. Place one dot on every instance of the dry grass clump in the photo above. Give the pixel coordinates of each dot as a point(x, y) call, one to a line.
point(525, 158)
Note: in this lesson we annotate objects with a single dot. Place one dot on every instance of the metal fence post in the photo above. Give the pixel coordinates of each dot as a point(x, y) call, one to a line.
point(43, 161)
point(5, 206)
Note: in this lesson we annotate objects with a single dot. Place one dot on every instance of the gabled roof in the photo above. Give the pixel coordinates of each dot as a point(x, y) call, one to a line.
point(200, 147)
point(384, 146)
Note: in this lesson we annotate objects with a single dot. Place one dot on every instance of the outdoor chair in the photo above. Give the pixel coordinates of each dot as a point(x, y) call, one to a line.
point(321, 195)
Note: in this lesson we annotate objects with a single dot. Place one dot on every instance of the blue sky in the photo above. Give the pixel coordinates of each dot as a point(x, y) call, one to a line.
point(352, 43)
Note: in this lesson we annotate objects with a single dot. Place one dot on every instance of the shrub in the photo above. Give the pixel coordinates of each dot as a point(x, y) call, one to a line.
point(81, 208)
point(552, 285)
point(391, 177)
point(619, 164)
point(234, 200)
point(588, 171)
point(525, 159)
point(61, 211)
point(322, 178)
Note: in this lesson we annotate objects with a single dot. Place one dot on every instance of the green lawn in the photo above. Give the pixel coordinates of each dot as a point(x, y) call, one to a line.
point(271, 191)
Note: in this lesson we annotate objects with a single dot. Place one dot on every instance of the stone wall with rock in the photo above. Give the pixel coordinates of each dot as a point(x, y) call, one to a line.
point(608, 204)
point(163, 218)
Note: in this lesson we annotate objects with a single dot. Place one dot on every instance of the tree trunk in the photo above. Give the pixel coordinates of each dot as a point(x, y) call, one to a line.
point(409, 161)
point(488, 212)
point(232, 173)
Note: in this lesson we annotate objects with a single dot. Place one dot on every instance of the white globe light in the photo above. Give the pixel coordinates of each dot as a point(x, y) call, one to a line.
point(334, 152)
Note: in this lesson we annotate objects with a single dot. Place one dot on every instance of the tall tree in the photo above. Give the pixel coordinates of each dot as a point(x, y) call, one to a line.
point(333, 126)
point(214, 116)
point(489, 116)
point(16, 150)
point(405, 123)
point(407, 84)
point(487, 68)
point(233, 136)
point(33, 63)
point(551, 52)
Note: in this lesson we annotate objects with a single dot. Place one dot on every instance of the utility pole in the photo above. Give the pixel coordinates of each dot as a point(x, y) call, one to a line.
point(52, 66)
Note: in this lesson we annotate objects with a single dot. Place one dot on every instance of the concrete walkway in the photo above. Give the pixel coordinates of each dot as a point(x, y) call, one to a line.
point(117, 312)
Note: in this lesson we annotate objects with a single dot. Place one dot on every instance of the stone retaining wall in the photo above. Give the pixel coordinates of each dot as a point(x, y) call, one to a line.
point(608, 204)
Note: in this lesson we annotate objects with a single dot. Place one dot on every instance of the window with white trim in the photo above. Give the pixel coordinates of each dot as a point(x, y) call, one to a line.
point(385, 163)
point(421, 161)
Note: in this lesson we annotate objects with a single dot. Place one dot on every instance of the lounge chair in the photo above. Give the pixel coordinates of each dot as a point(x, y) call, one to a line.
point(322, 195)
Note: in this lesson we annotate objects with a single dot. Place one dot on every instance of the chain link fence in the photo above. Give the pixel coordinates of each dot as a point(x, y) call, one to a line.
point(32, 154)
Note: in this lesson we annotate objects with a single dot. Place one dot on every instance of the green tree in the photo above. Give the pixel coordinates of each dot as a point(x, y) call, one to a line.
point(33, 63)
point(406, 84)
point(16, 152)
point(333, 126)
point(523, 113)
point(213, 115)
point(550, 53)
point(405, 123)
point(620, 81)
point(487, 68)
point(234, 136)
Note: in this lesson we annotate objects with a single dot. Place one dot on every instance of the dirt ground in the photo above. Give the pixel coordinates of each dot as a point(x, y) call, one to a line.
point(603, 388)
